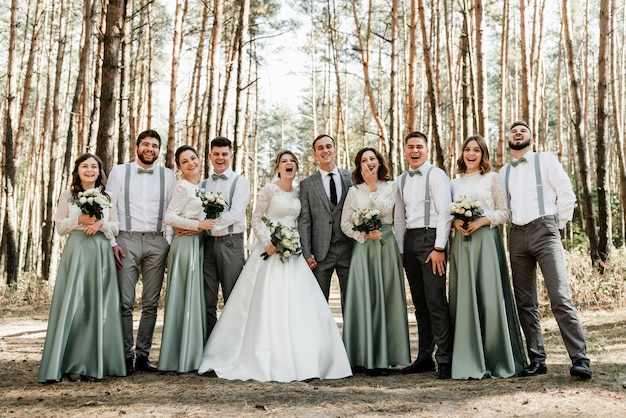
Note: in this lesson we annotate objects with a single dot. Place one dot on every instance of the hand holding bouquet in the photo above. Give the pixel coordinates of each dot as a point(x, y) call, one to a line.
point(466, 210)
point(284, 238)
point(367, 220)
point(213, 203)
point(92, 202)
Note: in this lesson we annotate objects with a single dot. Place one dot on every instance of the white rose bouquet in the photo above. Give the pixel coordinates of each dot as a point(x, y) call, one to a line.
point(466, 210)
point(284, 238)
point(213, 203)
point(367, 220)
point(92, 202)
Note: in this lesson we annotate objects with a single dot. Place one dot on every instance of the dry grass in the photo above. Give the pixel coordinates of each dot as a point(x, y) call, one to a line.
point(22, 329)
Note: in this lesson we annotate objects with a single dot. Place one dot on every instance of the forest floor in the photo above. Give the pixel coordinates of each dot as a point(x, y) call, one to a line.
point(22, 333)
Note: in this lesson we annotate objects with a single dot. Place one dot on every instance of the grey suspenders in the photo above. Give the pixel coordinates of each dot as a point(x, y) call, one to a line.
point(127, 198)
point(542, 209)
point(426, 195)
point(230, 194)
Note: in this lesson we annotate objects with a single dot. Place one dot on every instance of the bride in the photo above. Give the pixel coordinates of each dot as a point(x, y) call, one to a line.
point(276, 325)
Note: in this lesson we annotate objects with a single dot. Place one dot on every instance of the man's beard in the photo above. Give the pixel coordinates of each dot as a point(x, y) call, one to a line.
point(518, 146)
point(143, 160)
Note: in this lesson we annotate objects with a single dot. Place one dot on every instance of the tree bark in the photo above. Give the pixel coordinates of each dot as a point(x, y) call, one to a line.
point(110, 78)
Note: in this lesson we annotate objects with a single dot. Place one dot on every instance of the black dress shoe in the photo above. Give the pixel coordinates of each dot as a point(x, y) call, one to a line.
point(129, 366)
point(534, 368)
point(420, 366)
point(377, 372)
point(445, 371)
point(142, 363)
point(580, 368)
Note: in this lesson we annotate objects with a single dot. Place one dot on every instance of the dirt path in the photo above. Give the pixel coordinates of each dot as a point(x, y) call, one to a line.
point(21, 340)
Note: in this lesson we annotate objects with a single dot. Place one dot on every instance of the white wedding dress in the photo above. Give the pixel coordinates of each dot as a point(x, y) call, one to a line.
point(276, 325)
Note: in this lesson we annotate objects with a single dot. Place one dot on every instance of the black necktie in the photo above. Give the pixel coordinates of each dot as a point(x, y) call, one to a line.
point(333, 189)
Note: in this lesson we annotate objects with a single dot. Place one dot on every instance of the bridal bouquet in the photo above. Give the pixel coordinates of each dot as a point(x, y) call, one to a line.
point(213, 203)
point(284, 238)
point(367, 220)
point(92, 202)
point(466, 210)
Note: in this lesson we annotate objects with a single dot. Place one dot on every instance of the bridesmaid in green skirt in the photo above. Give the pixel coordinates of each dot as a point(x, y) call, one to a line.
point(375, 326)
point(487, 339)
point(184, 325)
point(84, 337)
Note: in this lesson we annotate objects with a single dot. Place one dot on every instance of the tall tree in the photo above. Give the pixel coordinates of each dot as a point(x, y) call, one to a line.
point(110, 77)
point(605, 238)
point(578, 127)
point(177, 46)
point(433, 100)
point(240, 102)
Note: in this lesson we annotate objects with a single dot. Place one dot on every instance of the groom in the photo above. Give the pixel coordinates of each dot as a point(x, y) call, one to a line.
point(324, 246)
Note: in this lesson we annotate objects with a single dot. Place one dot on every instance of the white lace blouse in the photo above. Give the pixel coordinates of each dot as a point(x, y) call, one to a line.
point(360, 197)
point(185, 209)
point(488, 189)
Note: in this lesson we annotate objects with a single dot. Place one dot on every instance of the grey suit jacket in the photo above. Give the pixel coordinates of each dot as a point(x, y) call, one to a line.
point(319, 223)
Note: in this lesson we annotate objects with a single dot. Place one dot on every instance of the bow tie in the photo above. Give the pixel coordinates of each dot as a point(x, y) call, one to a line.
point(219, 177)
point(145, 170)
point(514, 163)
point(414, 172)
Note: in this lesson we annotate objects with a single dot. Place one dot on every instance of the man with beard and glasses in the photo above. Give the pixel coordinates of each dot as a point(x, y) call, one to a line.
point(142, 192)
point(539, 210)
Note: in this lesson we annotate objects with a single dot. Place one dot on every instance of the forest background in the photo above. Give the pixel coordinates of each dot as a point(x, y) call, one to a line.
point(89, 75)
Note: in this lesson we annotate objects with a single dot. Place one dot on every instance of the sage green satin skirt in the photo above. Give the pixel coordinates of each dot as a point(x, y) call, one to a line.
point(184, 325)
point(487, 338)
point(85, 324)
point(375, 325)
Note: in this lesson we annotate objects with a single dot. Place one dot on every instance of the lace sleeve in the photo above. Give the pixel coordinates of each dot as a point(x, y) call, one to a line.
point(500, 214)
point(64, 221)
point(346, 216)
point(258, 226)
point(385, 198)
point(110, 226)
point(177, 205)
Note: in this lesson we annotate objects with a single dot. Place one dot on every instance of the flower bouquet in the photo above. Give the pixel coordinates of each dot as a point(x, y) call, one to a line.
point(213, 203)
point(466, 210)
point(92, 202)
point(284, 238)
point(367, 220)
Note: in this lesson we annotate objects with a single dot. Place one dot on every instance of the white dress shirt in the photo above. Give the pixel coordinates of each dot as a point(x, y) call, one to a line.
point(235, 213)
point(410, 205)
point(144, 197)
point(326, 179)
point(558, 196)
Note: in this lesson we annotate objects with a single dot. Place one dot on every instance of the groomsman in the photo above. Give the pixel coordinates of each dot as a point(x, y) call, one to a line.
point(542, 202)
point(224, 253)
point(143, 193)
point(422, 224)
point(324, 246)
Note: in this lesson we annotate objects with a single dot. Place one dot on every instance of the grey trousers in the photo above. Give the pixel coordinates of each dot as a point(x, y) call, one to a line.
point(539, 242)
point(146, 254)
point(428, 291)
point(337, 259)
point(223, 261)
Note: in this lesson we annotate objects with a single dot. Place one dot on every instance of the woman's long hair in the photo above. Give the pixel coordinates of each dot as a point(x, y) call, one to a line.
point(485, 165)
point(383, 170)
point(76, 185)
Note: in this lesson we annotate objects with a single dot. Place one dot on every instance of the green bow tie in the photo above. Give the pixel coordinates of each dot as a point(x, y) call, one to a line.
point(514, 163)
point(414, 172)
point(219, 177)
point(145, 170)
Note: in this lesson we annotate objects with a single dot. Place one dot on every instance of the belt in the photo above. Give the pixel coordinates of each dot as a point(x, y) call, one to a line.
point(222, 237)
point(143, 233)
point(534, 222)
point(425, 228)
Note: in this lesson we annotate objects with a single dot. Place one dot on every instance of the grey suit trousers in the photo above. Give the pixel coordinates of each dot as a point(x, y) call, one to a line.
point(539, 242)
point(146, 254)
